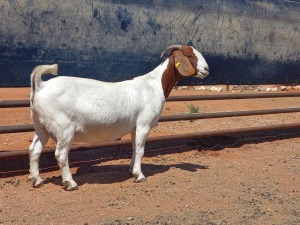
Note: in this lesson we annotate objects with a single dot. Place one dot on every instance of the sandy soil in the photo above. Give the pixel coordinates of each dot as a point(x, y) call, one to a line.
point(242, 179)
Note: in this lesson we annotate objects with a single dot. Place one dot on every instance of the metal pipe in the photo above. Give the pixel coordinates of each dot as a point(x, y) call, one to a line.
point(14, 103)
point(226, 114)
point(231, 96)
point(26, 103)
point(119, 143)
point(29, 128)
point(16, 129)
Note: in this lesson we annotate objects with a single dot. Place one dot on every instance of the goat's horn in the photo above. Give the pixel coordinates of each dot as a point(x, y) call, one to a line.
point(169, 48)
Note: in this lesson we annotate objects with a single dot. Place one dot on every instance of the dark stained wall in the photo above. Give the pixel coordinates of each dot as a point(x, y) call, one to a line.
point(244, 42)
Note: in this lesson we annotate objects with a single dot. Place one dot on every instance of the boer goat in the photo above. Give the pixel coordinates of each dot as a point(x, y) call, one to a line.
point(71, 109)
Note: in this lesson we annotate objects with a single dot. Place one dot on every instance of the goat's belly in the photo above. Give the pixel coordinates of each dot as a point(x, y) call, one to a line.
point(100, 133)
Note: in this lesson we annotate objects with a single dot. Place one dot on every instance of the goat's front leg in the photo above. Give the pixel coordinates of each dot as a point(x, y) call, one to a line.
point(133, 150)
point(140, 139)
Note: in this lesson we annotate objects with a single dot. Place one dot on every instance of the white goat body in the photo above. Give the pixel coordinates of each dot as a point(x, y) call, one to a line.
point(97, 111)
point(84, 110)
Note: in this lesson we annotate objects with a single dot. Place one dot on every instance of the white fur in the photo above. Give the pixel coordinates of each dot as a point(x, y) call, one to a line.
point(76, 109)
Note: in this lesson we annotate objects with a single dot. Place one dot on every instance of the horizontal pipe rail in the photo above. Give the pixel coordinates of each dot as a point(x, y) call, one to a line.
point(29, 128)
point(231, 96)
point(14, 103)
point(26, 103)
point(120, 143)
point(226, 114)
point(16, 129)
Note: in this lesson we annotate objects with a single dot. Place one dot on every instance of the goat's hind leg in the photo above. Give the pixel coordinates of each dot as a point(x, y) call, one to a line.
point(40, 139)
point(61, 154)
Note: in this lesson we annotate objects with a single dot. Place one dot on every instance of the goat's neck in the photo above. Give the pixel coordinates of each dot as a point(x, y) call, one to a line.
point(170, 76)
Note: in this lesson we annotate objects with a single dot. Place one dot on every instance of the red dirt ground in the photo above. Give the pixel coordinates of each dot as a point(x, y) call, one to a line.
point(243, 179)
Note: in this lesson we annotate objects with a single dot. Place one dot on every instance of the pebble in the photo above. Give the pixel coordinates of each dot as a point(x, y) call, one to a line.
point(215, 89)
point(201, 88)
point(184, 88)
point(261, 88)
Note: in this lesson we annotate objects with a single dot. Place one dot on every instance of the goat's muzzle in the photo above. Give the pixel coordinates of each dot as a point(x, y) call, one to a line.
point(203, 73)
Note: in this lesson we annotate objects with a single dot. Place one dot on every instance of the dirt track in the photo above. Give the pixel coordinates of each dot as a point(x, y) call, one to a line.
point(245, 179)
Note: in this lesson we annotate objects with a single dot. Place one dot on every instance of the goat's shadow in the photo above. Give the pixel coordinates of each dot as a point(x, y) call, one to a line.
point(90, 169)
point(119, 173)
point(107, 174)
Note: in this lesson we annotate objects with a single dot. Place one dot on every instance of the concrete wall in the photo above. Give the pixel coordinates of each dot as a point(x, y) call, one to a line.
point(244, 42)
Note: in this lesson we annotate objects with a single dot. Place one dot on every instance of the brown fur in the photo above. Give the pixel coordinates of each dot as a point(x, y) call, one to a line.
point(171, 75)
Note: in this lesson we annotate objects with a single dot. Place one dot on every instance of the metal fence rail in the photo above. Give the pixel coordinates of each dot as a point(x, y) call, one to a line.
point(14, 103)
point(26, 103)
point(232, 96)
point(29, 128)
point(119, 143)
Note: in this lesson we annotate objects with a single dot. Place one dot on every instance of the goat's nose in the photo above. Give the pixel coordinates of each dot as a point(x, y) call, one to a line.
point(206, 68)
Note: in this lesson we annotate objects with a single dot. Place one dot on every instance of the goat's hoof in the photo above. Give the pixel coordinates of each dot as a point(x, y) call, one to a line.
point(139, 178)
point(37, 182)
point(70, 185)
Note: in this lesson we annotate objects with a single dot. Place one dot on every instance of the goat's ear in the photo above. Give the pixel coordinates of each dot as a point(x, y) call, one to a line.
point(183, 64)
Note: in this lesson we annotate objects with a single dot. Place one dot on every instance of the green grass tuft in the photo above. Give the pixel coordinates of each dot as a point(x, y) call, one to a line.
point(193, 108)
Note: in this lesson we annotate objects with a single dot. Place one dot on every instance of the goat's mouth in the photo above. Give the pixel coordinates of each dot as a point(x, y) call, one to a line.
point(202, 73)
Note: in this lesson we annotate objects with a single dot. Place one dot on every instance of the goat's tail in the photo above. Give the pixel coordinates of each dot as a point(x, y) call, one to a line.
point(36, 75)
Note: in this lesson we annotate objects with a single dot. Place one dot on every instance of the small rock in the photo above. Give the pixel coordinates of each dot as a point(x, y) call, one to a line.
point(261, 88)
point(283, 88)
point(274, 89)
point(296, 87)
point(201, 88)
point(184, 88)
point(215, 89)
point(219, 89)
